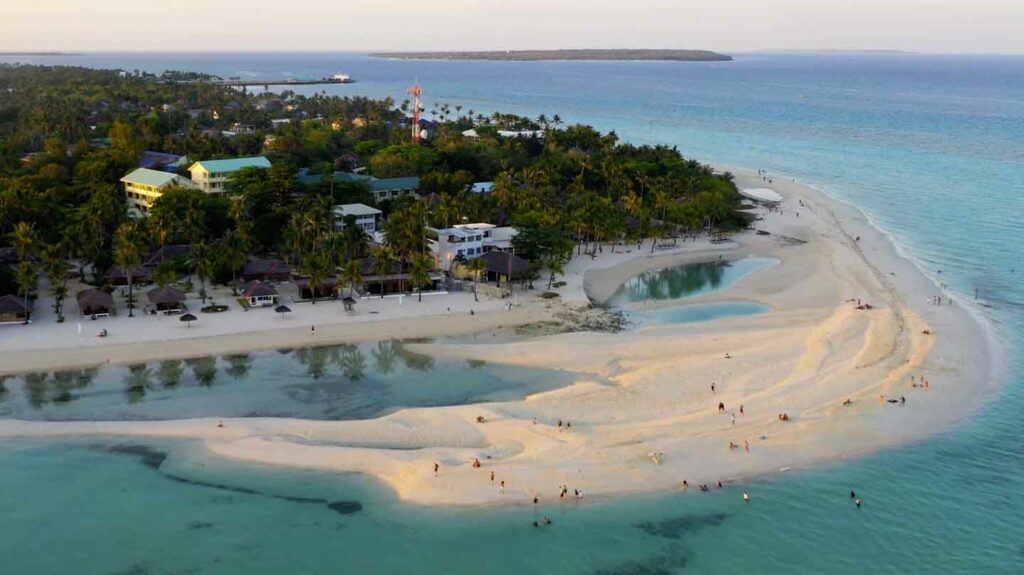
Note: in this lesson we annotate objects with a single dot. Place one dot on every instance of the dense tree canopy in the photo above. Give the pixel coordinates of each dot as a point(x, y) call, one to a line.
point(67, 136)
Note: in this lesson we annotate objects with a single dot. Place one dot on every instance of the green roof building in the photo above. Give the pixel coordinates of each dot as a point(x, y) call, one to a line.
point(210, 175)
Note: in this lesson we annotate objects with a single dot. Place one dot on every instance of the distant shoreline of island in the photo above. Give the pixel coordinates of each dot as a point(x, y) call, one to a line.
point(40, 53)
point(578, 55)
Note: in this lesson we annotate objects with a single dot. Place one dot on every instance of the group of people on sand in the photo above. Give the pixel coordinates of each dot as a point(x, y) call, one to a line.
point(921, 382)
point(784, 417)
point(902, 400)
point(563, 492)
point(746, 445)
point(937, 300)
point(702, 486)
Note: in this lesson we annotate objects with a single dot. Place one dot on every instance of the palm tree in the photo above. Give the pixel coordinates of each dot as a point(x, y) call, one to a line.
point(203, 258)
point(316, 266)
point(128, 255)
point(234, 254)
point(164, 274)
point(26, 277)
point(382, 262)
point(419, 272)
point(24, 239)
point(476, 266)
point(351, 273)
point(57, 273)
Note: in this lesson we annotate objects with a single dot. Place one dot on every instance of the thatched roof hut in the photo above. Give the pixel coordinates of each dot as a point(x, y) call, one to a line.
point(93, 302)
point(166, 298)
point(14, 309)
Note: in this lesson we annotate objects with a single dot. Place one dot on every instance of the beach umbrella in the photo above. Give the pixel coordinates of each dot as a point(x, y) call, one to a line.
point(188, 319)
point(282, 309)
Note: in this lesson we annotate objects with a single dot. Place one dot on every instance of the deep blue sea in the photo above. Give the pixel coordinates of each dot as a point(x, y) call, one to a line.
point(930, 147)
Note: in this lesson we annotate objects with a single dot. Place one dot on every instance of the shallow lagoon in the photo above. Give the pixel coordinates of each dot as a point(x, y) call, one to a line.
point(687, 280)
point(331, 382)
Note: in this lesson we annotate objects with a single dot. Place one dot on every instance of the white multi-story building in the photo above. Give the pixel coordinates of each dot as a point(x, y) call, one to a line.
point(143, 186)
point(365, 216)
point(210, 175)
point(468, 241)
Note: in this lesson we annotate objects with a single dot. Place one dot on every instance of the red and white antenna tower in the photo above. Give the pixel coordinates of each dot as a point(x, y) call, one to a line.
point(415, 92)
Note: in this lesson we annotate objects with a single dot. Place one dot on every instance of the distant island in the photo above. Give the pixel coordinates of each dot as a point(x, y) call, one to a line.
point(537, 55)
point(39, 54)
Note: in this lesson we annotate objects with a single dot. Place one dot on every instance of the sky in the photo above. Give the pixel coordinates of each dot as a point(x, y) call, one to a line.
point(943, 26)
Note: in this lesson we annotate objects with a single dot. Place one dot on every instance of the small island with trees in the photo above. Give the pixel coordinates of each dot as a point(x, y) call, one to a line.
point(621, 55)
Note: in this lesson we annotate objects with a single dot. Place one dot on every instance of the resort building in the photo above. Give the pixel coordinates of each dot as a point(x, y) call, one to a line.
point(267, 270)
point(143, 186)
point(259, 294)
point(392, 188)
point(464, 242)
point(366, 218)
point(381, 188)
point(482, 187)
point(210, 175)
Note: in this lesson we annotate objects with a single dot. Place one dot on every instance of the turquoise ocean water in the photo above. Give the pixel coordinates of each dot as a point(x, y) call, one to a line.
point(931, 147)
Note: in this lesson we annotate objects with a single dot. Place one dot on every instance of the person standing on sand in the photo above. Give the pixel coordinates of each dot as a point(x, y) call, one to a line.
point(436, 467)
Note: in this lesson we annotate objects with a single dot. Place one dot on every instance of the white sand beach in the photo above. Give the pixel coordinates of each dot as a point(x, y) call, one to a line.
point(651, 393)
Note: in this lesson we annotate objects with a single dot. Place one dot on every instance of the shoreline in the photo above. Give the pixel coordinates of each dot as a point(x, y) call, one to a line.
point(862, 354)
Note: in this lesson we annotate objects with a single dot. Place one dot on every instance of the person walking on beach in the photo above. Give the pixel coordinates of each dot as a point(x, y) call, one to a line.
point(492, 477)
point(721, 407)
point(436, 467)
point(712, 387)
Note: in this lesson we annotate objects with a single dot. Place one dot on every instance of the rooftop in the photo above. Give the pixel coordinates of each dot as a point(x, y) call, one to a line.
point(407, 183)
point(230, 165)
point(155, 178)
point(355, 210)
point(164, 160)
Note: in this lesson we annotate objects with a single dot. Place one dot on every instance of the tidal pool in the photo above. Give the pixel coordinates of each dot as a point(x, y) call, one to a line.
point(687, 280)
point(329, 383)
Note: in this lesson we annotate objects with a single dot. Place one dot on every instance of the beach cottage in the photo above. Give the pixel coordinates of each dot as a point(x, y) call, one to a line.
point(166, 299)
point(259, 294)
point(14, 309)
point(95, 303)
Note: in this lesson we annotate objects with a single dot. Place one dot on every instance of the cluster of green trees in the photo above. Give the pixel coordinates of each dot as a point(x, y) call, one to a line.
point(67, 136)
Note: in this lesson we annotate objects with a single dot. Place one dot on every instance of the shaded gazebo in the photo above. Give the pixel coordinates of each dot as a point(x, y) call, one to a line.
point(95, 302)
point(166, 299)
